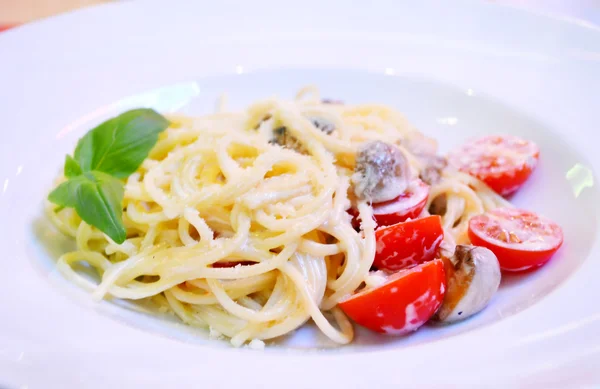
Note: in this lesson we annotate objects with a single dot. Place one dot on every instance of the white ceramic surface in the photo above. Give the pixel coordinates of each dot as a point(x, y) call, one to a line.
point(456, 72)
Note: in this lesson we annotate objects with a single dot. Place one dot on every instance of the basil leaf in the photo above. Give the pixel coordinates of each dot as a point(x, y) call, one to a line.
point(72, 168)
point(99, 202)
point(120, 145)
point(111, 151)
point(65, 195)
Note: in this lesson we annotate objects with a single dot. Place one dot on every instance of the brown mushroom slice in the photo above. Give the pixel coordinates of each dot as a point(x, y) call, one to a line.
point(382, 172)
point(434, 166)
point(322, 124)
point(282, 136)
point(473, 276)
point(425, 150)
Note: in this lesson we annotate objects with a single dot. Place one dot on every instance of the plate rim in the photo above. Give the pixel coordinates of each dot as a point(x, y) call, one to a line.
point(316, 363)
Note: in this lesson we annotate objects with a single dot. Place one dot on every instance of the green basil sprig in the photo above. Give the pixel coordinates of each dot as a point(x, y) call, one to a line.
point(104, 157)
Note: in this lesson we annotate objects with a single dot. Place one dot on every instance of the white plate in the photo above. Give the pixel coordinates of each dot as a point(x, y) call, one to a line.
point(456, 72)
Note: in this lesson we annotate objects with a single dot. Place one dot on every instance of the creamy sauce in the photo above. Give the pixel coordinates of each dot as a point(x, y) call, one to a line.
point(511, 228)
point(411, 313)
point(375, 279)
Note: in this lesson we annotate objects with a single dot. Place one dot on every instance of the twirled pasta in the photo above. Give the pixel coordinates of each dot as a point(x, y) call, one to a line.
point(215, 194)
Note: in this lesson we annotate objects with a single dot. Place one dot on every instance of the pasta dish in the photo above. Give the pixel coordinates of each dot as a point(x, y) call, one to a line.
point(251, 223)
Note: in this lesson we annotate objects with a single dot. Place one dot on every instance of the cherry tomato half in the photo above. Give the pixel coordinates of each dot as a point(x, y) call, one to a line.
point(407, 244)
point(520, 239)
point(406, 206)
point(403, 303)
point(503, 162)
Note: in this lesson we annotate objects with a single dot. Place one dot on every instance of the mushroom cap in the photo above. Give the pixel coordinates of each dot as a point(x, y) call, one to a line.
point(382, 172)
point(473, 276)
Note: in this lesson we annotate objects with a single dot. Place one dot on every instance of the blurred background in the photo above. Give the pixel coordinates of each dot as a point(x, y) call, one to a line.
point(16, 12)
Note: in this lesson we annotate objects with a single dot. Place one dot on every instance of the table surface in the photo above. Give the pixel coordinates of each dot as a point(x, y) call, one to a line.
point(14, 12)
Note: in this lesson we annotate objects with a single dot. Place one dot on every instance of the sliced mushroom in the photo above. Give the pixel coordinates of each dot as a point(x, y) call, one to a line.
point(434, 165)
point(425, 150)
point(381, 173)
point(282, 137)
point(322, 124)
point(473, 276)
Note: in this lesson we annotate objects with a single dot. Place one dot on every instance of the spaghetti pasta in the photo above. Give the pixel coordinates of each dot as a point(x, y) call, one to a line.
point(231, 231)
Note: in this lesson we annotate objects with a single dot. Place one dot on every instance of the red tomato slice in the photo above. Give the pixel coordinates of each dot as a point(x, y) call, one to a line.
point(406, 206)
point(503, 162)
point(407, 244)
point(520, 239)
point(403, 303)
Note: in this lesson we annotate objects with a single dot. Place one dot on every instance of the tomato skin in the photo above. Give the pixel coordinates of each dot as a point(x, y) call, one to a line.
point(503, 162)
point(407, 244)
point(514, 260)
point(518, 256)
point(405, 302)
point(408, 205)
point(399, 217)
point(506, 185)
